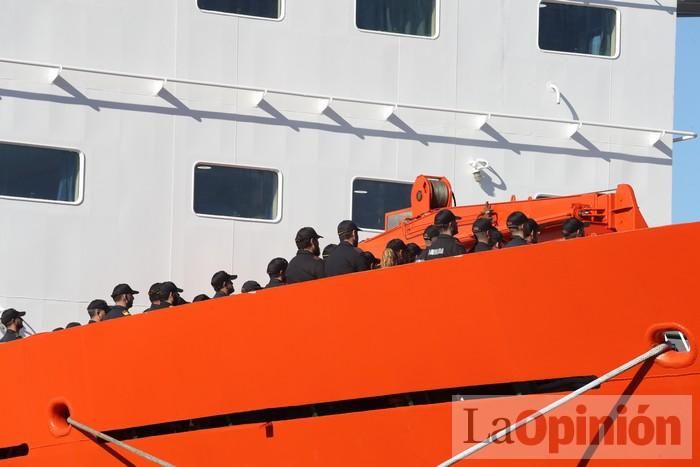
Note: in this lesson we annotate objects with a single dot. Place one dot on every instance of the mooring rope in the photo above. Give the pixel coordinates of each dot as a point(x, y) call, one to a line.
point(99, 434)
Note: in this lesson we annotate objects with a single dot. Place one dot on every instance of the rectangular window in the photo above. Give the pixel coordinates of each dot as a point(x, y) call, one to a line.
point(238, 192)
point(578, 29)
point(260, 8)
point(371, 199)
point(40, 173)
point(412, 17)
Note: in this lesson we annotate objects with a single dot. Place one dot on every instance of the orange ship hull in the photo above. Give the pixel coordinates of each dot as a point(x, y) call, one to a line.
point(314, 373)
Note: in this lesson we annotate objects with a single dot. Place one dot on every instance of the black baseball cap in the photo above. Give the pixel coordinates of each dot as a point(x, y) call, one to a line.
point(413, 249)
point(572, 225)
point(10, 314)
point(483, 224)
point(431, 232)
point(153, 291)
point(444, 217)
point(168, 287)
point(328, 249)
point(98, 304)
point(516, 219)
point(121, 289)
point(250, 286)
point(277, 266)
point(346, 227)
point(219, 278)
point(305, 234)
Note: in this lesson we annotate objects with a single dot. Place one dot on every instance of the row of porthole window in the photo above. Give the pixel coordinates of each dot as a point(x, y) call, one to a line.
point(34, 173)
point(563, 27)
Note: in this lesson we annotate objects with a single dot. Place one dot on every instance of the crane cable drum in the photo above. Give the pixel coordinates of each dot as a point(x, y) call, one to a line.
point(440, 194)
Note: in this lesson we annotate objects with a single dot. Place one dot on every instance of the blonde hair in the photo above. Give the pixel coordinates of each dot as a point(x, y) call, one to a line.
point(389, 258)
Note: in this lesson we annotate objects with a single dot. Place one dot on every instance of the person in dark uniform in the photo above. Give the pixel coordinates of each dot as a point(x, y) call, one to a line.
point(446, 244)
point(123, 296)
point(250, 286)
point(180, 301)
point(72, 324)
point(154, 297)
point(97, 310)
point(413, 251)
point(346, 257)
point(430, 234)
point(222, 282)
point(483, 233)
point(13, 322)
point(532, 231)
point(516, 224)
point(327, 250)
point(306, 265)
point(497, 239)
point(276, 270)
point(200, 298)
point(573, 228)
point(168, 295)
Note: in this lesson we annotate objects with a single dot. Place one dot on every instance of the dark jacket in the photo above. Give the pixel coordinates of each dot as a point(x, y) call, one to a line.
point(482, 247)
point(117, 312)
point(219, 295)
point(160, 306)
point(10, 336)
point(444, 246)
point(305, 266)
point(516, 241)
point(345, 259)
point(274, 283)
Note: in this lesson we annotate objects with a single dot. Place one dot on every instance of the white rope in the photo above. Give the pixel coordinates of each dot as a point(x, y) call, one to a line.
point(558, 403)
point(98, 434)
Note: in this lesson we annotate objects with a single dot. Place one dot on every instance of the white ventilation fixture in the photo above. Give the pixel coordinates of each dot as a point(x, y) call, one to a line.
point(478, 166)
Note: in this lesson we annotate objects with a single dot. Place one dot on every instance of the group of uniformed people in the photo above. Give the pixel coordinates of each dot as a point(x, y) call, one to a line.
point(310, 263)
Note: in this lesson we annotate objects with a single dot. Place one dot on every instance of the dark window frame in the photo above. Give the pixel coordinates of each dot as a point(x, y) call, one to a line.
point(436, 32)
point(79, 179)
point(282, 12)
point(374, 179)
point(618, 28)
point(279, 194)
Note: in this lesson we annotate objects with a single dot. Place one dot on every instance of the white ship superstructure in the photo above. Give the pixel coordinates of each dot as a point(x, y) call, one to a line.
point(168, 139)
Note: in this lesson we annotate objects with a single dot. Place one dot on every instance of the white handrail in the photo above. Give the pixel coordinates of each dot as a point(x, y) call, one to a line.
point(681, 135)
